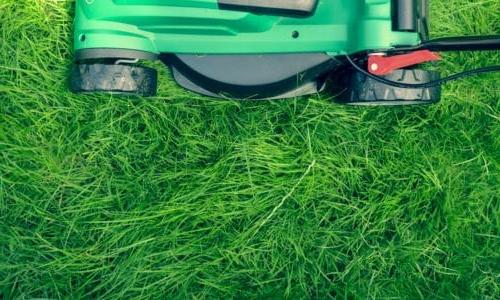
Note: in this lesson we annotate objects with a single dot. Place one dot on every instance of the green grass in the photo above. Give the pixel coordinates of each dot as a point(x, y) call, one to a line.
point(179, 195)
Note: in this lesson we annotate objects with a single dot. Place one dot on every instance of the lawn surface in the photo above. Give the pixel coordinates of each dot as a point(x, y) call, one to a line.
point(179, 195)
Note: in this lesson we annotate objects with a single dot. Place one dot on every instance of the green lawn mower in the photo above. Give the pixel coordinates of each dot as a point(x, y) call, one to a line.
point(368, 51)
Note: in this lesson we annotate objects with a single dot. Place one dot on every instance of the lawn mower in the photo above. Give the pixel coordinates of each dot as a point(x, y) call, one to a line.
point(368, 51)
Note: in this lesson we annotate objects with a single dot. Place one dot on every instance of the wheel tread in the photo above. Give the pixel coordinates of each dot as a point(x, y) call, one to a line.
point(367, 91)
point(126, 79)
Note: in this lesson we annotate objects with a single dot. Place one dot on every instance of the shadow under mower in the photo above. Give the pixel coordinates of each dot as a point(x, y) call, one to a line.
point(266, 49)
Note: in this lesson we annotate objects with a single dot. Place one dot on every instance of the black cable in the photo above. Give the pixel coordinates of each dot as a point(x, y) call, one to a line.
point(426, 85)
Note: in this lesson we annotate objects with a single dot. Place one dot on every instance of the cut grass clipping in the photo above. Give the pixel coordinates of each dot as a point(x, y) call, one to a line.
point(181, 196)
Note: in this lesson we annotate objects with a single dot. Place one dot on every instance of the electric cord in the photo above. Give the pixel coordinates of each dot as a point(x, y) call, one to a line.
point(426, 85)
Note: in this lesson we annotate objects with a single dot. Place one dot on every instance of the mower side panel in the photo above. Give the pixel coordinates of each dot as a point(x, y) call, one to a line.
point(202, 27)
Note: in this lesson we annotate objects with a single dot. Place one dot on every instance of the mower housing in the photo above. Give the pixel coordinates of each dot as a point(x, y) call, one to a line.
point(246, 49)
point(217, 27)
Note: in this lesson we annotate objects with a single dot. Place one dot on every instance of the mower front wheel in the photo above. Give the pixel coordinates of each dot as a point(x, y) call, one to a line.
point(363, 90)
point(114, 78)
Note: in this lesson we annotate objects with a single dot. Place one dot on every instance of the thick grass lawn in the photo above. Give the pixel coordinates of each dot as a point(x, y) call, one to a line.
point(181, 196)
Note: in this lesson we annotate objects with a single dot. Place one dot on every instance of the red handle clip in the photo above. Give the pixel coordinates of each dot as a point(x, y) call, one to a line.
point(380, 64)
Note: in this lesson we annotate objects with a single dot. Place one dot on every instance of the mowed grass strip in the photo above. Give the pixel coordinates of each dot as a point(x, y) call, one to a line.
point(181, 196)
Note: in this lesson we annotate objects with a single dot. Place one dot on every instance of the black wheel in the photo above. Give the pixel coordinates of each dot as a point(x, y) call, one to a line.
point(122, 79)
point(363, 90)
